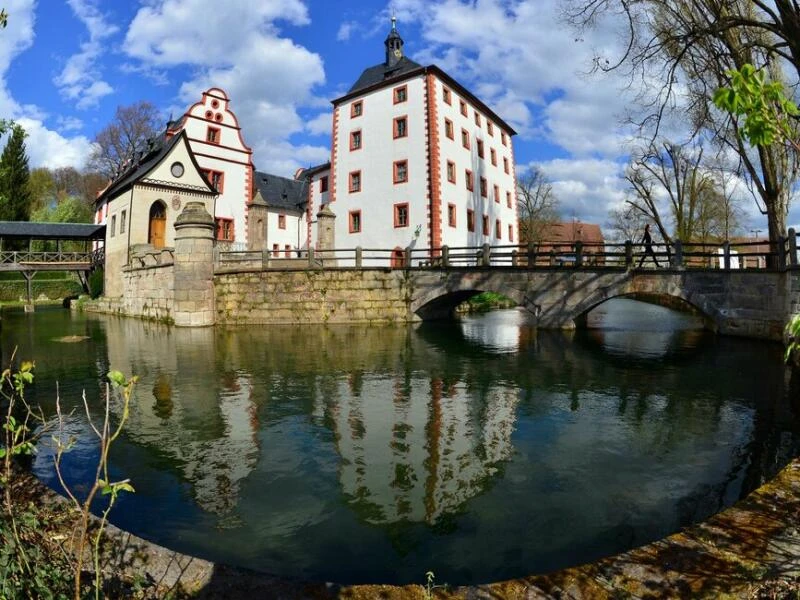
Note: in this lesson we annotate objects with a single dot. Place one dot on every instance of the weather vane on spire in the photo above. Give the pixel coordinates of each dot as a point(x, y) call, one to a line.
point(394, 20)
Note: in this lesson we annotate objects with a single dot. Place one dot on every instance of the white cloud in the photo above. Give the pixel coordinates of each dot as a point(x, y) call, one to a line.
point(321, 124)
point(268, 77)
point(80, 79)
point(345, 31)
point(44, 146)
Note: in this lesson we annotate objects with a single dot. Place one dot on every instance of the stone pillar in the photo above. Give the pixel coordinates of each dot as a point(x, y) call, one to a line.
point(326, 235)
point(194, 267)
point(257, 224)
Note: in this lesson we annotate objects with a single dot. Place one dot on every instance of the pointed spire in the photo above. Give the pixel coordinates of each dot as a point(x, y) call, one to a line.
point(394, 45)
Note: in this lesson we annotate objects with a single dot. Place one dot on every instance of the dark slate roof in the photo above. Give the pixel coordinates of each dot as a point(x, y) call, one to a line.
point(382, 72)
point(281, 192)
point(144, 165)
point(53, 231)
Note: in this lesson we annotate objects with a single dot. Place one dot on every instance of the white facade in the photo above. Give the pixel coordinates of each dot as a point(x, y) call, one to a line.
point(217, 143)
point(449, 137)
point(286, 232)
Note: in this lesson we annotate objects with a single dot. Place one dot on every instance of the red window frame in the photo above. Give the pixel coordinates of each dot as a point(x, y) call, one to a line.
point(498, 229)
point(356, 140)
point(465, 138)
point(215, 178)
point(354, 177)
point(323, 184)
point(224, 229)
point(496, 193)
point(470, 220)
point(484, 187)
point(479, 144)
point(356, 109)
point(446, 95)
point(398, 211)
point(508, 199)
point(451, 214)
point(353, 219)
point(400, 94)
point(448, 129)
point(462, 107)
point(398, 164)
point(504, 138)
point(510, 233)
point(396, 133)
point(493, 156)
point(505, 165)
point(477, 118)
point(451, 171)
point(213, 135)
point(276, 250)
point(281, 221)
point(287, 251)
point(469, 180)
point(486, 225)
point(489, 128)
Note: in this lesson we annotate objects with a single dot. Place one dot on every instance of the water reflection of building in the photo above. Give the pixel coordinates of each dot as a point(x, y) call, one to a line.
point(425, 453)
point(205, 424)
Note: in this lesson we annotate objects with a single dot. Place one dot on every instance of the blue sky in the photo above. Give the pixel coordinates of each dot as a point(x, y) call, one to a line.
point(67, 64)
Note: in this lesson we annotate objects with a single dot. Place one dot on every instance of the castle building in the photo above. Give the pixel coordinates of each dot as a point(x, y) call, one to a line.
point(417, 161)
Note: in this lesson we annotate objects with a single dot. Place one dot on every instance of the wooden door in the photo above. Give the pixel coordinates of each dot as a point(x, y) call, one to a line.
point(158, 225)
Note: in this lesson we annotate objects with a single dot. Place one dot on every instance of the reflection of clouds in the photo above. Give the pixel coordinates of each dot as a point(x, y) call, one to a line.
point(494, 331)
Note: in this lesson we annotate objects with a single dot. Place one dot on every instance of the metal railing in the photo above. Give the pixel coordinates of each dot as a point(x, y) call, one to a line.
point(726, 255)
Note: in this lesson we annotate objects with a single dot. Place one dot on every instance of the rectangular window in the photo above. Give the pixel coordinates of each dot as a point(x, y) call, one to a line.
point(287, 251)
point(448, 128)
point(486, 225)
point(281, 221)
point(451, 214)
point(122, 218)
point(400, 94)
point(276, 250)
point(355, 181)
point(470, 220)
point(401, 215)
point(224, 229)
point(505, 165)
point(400, 129)
point(484, 187)
point(508, 199)
point(212, 135)
point(497, 194)
point(498, 229)
point(463, 106)
point(446, 96)
point(503, 138)
point(216, 179)
point(465, 138)
point(468, 180)
point(355, 140)
point(356, 109)
point(477, 119)
point(510, 233)
point(479, 143)
point(323, 184)
point(489, 128)
point(401, 171)
point(493, 156)
point(451, 171)
point(113, 225)
point(354, 219)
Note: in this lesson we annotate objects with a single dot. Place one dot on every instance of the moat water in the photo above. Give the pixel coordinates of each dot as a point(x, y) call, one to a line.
point(479, 449)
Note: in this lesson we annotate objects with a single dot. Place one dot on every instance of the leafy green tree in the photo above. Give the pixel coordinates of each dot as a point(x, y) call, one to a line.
point(42, 188)
point(15, 196)
point(68, 210)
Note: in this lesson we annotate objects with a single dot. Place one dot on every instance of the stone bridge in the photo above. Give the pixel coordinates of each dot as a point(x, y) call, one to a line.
point(737, 302)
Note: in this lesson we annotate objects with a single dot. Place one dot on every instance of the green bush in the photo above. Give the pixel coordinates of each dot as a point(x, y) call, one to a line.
point(96, 283)
point(11, 291)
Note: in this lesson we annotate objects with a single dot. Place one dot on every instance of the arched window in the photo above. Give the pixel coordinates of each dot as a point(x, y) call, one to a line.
point(158, 224)
point(398, 258)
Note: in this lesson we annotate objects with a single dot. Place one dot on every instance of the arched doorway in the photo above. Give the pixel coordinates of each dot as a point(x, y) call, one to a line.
point(398, 258)
point(158, 224)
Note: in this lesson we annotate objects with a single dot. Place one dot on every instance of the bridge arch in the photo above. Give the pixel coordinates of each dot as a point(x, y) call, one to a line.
point(440, 301)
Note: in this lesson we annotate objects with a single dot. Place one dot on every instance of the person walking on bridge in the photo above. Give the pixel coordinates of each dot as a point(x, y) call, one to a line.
point(647, 242)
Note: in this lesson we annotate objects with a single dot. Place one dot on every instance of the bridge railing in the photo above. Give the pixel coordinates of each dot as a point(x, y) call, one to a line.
point(9, 257)
point(744, 254)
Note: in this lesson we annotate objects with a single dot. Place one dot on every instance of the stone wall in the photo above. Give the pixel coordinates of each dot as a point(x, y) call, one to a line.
point(341, 296)
point(148, 294)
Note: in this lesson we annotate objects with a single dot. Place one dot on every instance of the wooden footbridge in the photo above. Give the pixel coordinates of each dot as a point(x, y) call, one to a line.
point(30, 248)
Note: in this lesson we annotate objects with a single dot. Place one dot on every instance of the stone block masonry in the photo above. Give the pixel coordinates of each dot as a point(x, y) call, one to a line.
point(341, 296)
